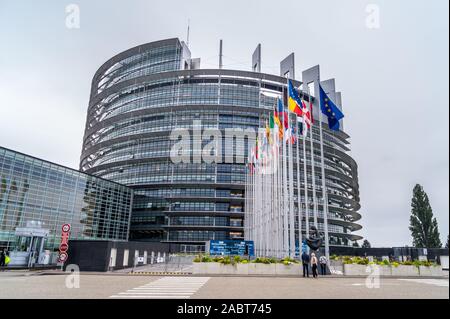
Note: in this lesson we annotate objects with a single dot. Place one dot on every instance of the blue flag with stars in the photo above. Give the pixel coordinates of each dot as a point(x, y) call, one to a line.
point(331, 111)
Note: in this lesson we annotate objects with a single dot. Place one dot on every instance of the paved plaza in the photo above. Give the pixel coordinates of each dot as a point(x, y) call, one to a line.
point(122, 286)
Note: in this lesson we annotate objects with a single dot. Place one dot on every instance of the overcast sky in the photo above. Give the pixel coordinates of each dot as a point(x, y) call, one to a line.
point(394, 79)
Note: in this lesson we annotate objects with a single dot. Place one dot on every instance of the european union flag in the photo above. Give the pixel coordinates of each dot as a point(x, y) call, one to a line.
point(330, 110)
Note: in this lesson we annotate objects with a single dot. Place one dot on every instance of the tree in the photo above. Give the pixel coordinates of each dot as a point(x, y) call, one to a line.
point(355, 244)
point(423, 226)
point(366, 244)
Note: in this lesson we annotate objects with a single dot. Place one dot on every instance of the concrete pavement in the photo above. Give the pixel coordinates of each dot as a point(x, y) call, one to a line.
point(20, 285)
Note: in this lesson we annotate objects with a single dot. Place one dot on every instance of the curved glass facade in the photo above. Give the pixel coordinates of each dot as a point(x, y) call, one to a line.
point(141, 95)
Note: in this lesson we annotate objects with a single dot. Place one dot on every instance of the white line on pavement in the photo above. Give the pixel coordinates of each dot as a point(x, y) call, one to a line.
point(166, 287)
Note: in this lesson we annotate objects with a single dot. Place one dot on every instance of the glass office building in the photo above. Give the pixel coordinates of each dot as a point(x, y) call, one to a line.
point(140, 96)
point(34, 190)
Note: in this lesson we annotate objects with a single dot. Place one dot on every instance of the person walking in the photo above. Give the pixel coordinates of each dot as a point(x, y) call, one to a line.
point(314, 264)
point(323, 265)
point(2, 258)
point(305, 263)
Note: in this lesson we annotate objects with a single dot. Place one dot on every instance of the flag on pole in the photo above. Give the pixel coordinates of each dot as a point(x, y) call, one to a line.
point(302, 128)
point(280, 112)
point(330, 110)
point(294, 101)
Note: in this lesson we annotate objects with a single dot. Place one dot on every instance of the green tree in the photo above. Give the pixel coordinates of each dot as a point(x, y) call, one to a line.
point(366, 244)
point(423, 226)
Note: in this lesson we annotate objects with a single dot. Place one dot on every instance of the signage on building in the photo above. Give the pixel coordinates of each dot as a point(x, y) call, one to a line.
point(231, 247)
point(64, 245)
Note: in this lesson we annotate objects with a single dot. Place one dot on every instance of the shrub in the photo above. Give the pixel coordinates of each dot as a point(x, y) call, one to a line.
point(225, 260)
point(197, 259)
point(244, 261)
point(385, 262)
point(407, 263)
point(237, 259)
point(362, 261)
point(395, 264)
point(206, 259)
point(347, 260)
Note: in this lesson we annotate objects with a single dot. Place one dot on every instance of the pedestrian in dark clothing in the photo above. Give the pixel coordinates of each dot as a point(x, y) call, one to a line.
point(323, 265)
point(305, 262)
point(314, 264)
point(2, 258)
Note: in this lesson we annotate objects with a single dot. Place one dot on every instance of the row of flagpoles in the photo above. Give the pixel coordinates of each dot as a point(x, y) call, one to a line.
point(275, 213)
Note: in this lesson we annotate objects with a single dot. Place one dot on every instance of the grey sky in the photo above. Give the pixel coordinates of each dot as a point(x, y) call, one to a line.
point(394, 79)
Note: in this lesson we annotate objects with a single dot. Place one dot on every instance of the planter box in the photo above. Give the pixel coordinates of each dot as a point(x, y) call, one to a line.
point(355, 270)
point(242, 269)
point(405, 271)
point(245, 269)
point(292, 269)
point(433, 271)
point(261, 269)
point(199, 268)
point(385, 270)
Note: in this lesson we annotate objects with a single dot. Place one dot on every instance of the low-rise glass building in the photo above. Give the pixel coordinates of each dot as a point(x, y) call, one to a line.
point(34, 190)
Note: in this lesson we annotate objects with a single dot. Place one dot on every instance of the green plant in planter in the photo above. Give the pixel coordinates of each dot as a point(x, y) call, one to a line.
point(206, 259)
point(395, 264)
point(244, 261)
point(237, 259)
point(272, 260)
point(347, 260)
point(428, 264)
point(197, 259)
point(226, 260)
point(361, 261)
point(407, 263)
point(384, 262)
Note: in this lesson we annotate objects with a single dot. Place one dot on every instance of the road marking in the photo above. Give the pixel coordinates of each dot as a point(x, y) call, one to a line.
point(435, 282)
point(166, 288)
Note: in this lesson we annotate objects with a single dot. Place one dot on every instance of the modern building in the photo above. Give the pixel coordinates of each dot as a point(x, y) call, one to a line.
point(38, 194)
point(140, 96)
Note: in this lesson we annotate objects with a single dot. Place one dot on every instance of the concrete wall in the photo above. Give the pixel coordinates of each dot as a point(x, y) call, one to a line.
point(93, 255)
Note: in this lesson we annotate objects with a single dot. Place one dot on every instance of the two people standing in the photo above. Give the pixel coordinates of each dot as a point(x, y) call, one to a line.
point(306, 260)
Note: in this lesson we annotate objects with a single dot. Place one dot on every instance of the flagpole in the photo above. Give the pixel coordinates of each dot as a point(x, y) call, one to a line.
point(305, 175)
point(285, 190)
point(305, 170)
point(291, 179)
point(324, 187)
point(298, 191)
point(313, 173)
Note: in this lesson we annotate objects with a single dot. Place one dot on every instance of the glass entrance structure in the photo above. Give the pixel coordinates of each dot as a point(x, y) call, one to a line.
point(36, 191)
point(140, 96)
